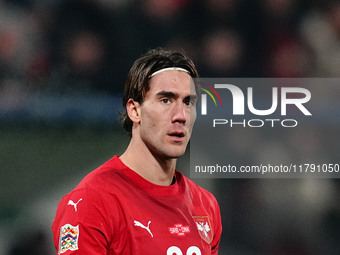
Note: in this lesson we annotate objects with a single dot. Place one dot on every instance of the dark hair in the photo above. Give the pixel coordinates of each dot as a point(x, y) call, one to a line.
point(137, 82)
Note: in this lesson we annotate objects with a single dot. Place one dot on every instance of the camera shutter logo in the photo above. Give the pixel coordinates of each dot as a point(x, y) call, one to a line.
point(204, 97)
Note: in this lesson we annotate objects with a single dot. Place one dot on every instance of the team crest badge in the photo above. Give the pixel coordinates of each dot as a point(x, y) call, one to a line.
point(204, 228)
point(69, 236)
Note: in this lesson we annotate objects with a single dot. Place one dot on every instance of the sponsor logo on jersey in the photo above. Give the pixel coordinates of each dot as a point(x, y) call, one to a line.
point(204, 228)
point(179, 229)
point(147, 228)
point(69, 236)
point(70, 202)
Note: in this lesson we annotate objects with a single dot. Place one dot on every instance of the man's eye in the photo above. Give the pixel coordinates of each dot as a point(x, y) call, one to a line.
point(189, 102)
point(165, 100)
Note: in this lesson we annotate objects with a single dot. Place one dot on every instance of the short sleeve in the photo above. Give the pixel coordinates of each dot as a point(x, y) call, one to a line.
point(81, 224)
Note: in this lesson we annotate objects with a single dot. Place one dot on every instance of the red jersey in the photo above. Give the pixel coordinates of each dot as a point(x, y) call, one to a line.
point(115, 211)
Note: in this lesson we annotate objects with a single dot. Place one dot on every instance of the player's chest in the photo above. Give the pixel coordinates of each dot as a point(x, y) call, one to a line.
point(167, 227)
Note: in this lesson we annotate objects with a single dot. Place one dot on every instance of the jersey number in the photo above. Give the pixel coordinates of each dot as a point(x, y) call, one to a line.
point(192, 250)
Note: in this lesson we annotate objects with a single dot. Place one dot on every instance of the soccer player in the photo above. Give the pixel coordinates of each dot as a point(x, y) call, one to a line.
point(137, 203)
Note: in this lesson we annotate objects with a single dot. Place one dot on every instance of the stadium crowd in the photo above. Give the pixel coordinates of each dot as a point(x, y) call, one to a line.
point(82, 45)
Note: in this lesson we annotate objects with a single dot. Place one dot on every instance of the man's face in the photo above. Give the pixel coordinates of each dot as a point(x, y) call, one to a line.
point(168, 113)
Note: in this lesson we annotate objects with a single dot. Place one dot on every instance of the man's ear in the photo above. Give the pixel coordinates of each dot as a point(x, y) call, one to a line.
point(133, 110)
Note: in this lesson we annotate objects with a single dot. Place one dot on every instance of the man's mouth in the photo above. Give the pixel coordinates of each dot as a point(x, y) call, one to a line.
point(177, 134)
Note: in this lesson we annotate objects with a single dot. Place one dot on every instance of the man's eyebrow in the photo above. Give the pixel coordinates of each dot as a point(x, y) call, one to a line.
point(167, 94)
point(192, 97)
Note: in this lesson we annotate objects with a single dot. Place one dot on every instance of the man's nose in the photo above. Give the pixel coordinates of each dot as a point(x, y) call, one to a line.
point(179, 114)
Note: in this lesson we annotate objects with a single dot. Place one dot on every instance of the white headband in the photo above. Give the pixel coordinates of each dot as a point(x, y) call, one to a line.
point(169, 68)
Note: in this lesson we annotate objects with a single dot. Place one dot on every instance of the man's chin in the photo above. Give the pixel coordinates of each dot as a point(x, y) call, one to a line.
point(174, 154)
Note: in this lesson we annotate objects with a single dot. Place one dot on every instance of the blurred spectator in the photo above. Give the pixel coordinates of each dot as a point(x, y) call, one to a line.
point(19, 35)
point(281, 12)
point(217, 27)
point(283, 53)
point(287, 57)
point(221, 54)
point(216, 13)
point(321, 30)
point(82, 49)
point(20, 41)
point(148, 24)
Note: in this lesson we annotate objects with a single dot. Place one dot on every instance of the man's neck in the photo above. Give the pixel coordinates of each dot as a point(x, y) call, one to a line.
point(152, 168)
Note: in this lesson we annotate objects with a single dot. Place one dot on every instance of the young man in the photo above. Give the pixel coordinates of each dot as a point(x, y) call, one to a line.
point(137, 203)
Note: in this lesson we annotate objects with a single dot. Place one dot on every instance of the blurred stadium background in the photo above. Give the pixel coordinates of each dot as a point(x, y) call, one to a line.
point(62, 69)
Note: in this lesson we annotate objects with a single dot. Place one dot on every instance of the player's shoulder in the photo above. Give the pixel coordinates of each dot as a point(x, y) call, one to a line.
point(97, 186)
point(106, 173)
point(105, 177)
